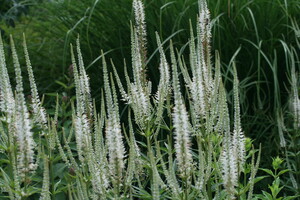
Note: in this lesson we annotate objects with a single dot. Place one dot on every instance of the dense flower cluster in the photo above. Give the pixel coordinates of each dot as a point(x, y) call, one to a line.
point(199, 148)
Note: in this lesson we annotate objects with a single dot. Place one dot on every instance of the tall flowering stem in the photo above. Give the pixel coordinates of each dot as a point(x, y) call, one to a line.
point(295, 98)
point(140, 26)
point(22, 124)
point(139, 90)
point(7, 101)
point(114, 138)
point(84, 109)
point(238, 135)
point(233, 153)
point(182, 127)
point(39, 113)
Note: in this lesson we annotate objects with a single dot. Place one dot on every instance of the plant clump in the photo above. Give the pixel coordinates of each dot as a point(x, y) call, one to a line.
point(177, 142)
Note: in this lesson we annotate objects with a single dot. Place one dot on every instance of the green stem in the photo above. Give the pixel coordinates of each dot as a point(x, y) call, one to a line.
point(209, 193)
point(186, 187)
point(51, 175)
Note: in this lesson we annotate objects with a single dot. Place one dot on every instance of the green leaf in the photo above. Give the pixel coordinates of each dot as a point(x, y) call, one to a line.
point(275, 189)
point(59, 170)
point(268, 172)
point(267, 195)
point(51, 94)
point(291, 197)
point(56, 185)
point(246, 188)
point(283, 171)
point(62, 84)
